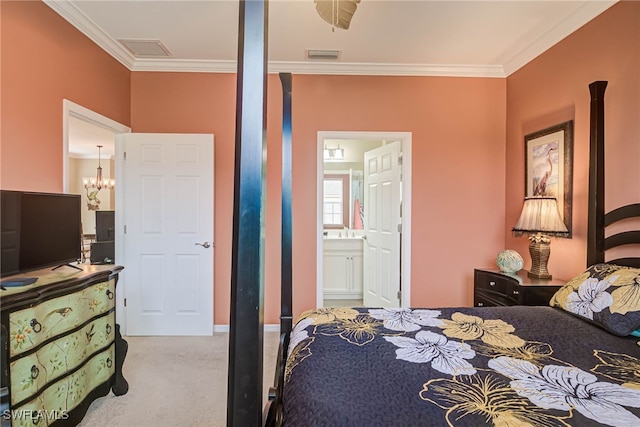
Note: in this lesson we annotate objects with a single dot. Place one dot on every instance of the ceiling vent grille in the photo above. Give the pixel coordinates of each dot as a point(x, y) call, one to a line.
point(323, 54)
point(146, 48)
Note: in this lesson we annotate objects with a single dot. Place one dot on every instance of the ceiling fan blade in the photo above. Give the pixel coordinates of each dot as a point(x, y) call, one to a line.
point(337, 12)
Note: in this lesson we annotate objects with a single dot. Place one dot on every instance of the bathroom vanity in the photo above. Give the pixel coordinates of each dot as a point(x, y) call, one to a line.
point(343, 268)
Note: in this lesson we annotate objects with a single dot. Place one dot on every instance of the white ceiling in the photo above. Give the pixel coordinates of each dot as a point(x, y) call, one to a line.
point(387, 37)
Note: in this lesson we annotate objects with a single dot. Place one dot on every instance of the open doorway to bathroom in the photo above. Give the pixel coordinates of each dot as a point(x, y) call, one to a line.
point(364, 256)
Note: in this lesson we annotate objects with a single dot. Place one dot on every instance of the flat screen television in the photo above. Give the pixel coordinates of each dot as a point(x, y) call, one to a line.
point(39, 230)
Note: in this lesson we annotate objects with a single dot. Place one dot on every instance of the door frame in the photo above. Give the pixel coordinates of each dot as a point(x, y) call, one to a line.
point(405, 268)
point(71, 109)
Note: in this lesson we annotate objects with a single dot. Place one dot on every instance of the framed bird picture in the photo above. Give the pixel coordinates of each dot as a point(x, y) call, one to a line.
point(548, 166)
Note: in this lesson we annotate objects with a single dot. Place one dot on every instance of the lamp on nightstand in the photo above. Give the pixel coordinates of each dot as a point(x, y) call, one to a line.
point(540, 219)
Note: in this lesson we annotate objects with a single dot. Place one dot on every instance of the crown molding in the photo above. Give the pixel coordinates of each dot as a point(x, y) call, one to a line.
point(67, 10)
point(185, 65)
point(377, 69)
point(333, 68)
point(583, 15)
point(86, 26)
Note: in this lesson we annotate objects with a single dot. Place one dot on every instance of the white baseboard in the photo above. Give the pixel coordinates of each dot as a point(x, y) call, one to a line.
point(267, 328)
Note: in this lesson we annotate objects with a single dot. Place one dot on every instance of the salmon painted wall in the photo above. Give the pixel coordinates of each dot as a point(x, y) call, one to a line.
point(458, 167)
point(554, 88)
point(458, 147)
point(45, 60)
point(457, 127)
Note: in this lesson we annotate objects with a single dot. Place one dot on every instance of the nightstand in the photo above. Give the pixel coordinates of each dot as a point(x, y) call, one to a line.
point(495, 288)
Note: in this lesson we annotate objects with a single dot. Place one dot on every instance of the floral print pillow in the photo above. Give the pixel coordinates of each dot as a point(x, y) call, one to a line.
point(605, 294)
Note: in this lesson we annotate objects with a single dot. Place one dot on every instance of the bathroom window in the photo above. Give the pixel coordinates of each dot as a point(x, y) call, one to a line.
point(335, 207)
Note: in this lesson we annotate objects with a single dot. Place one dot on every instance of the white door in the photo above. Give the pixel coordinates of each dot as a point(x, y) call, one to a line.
point(168, 240)
point(381, 286)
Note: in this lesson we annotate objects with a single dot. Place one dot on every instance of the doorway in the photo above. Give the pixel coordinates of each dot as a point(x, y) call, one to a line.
point(337, 259)
point(77, 115)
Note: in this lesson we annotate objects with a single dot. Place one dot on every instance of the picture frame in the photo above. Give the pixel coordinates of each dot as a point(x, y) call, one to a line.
point(549, 166)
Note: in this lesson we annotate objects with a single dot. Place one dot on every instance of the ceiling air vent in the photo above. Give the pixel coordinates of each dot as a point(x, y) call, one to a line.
point(323, 54)
point(146, 48)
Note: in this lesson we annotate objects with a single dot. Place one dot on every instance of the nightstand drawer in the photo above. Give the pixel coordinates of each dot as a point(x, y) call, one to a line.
point(495, 288)
point(490, 282)
point(514, 292)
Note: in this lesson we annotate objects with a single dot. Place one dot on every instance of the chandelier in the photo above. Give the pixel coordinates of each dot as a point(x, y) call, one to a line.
point(98, 182)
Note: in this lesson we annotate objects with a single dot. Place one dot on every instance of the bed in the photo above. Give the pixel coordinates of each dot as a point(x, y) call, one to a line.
point(575, 362)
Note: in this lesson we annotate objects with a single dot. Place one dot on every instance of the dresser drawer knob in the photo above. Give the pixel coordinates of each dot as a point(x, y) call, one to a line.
point(34, 372)
point(35, 325)
point(492, 283)
point(109, 362)
point(516, 292)
point(35, 417)
point(109, 294)
point(108, 329)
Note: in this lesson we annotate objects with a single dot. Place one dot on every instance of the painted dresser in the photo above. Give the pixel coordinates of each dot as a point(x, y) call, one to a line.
point(61, 347)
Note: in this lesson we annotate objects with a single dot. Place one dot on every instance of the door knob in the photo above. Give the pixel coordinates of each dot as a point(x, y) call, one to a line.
point(205, 245)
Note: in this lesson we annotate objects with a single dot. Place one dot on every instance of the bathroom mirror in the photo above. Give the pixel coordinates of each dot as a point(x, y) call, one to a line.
point(342, 204)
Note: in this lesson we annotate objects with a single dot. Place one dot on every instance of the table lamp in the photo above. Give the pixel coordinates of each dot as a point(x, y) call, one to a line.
point(540, 219)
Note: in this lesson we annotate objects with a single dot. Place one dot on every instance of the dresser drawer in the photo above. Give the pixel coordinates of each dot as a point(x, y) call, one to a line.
point(490, 282)
point(32, 372)
point(66, 394)
point(32, 326)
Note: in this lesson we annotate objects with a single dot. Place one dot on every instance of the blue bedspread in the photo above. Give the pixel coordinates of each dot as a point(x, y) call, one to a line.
point(502, 366)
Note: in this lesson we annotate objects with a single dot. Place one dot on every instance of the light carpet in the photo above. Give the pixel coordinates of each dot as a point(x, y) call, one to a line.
point(175, 382)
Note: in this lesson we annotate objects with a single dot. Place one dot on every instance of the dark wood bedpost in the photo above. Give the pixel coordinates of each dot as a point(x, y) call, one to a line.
point(244, 399)
point(286, 313)
point(274, 410)
point(595, 225)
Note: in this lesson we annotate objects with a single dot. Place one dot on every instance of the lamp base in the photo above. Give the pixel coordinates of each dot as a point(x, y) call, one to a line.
point(539, 276)
point(539, 251)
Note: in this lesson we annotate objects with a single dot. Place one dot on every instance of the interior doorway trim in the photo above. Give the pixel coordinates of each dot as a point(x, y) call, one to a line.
point(405, 268)
point(71, 109)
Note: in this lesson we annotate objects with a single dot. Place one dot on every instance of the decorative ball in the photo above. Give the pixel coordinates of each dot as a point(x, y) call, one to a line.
point(509, 261)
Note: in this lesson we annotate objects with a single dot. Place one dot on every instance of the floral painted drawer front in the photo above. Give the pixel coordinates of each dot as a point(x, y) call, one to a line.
point(31, 326)
point(30, 373)
point(60, 398)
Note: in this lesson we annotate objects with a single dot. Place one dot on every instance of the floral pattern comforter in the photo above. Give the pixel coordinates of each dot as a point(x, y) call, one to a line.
point(501, 366)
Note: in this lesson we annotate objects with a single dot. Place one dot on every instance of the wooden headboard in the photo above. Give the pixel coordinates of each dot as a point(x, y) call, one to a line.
point(598, 220)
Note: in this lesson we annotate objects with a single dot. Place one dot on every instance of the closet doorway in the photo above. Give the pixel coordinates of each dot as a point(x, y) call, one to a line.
point(354, 267)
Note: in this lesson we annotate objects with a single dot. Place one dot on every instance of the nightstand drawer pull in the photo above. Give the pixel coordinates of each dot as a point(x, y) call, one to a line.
point(109, 294)
point(516, 292)
point(492, 283)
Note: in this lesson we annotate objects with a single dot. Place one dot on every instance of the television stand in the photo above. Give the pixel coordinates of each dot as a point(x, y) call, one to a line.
point(24, 281)
point(67, 265)
point(60, 346)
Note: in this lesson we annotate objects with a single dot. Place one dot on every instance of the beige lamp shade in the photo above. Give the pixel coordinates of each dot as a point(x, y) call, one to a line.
point(540, 215)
